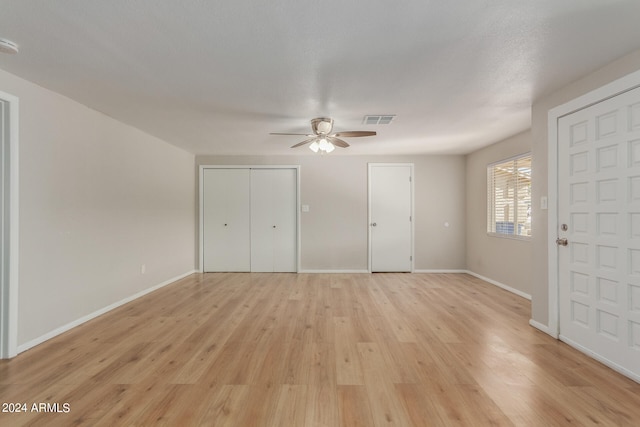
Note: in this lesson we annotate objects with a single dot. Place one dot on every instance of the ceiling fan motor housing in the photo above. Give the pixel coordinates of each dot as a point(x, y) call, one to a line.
point(322, 125)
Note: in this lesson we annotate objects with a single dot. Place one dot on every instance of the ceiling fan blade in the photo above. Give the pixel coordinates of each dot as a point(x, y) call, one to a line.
point(337, 142)
point(304, 142)
point(355, 133)
point(280, 133)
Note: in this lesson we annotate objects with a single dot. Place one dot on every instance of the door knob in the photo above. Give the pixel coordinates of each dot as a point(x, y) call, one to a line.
point(562, 241)
point(373, 224)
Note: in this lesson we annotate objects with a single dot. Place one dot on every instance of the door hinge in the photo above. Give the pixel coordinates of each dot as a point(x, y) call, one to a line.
point(410, 178)
point(410, 257)
point(410, 218)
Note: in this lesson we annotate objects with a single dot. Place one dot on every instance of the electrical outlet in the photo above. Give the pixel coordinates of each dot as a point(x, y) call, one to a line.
point(143, 268)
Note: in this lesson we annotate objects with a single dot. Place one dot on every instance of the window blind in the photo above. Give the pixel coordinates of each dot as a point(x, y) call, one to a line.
point(509, 197)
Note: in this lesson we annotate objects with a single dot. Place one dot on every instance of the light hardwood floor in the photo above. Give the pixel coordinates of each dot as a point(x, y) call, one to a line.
point(247, 349)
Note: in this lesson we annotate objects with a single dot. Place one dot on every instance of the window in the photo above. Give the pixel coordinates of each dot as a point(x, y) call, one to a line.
point(509, 197)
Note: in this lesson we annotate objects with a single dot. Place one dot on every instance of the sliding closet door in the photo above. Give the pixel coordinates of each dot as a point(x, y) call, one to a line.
point(226, 220)
point(273, 220)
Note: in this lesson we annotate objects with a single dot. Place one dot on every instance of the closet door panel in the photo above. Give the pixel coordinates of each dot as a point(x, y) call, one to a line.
point(262, 221)
point(285, 214)
point(226, 221)
point(273, 220)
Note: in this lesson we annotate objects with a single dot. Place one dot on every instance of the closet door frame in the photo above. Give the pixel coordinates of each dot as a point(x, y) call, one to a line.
point(201, 205)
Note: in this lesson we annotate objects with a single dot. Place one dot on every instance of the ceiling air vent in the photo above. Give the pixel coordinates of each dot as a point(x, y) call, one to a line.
point(384, 119)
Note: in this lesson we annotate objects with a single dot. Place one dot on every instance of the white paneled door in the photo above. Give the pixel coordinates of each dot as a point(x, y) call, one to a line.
point(273, 220)
point(390, 217)
point(599, 232)
point(226, 219)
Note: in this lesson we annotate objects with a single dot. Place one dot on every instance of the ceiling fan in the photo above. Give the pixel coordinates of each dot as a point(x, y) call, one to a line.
point(322, 139)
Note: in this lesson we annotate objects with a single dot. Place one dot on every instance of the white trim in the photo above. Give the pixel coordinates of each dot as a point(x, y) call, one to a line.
point(80, 321)
point(298, 221)
point(14, 217)
point(333, 271)
point(542, 328)
point(413, 217)
point(634, 376)
point(413, 214)
point(441, 271)
point(624, 84)
point(501, 285)
point(552, 225)
point(200, 267)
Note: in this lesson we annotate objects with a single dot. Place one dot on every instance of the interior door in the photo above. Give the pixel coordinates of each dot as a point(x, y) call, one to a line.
point(390, 210)
point(599, 236)
point(274, 220)
point(226, 220)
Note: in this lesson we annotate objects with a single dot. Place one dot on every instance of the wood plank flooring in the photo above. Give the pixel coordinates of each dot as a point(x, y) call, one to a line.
point(258, 349)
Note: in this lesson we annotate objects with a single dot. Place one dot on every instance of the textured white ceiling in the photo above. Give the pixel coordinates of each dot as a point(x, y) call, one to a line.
point(215, 77)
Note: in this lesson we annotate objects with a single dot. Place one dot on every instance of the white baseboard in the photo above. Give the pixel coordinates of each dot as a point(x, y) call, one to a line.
point(317, 271)
point(627, 373)
point(333, 271)
point(440, 271)
point(500, 285)
point(543, 328)
point(64, 328)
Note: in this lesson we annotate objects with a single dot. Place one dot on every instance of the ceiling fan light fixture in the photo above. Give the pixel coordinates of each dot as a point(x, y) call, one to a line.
point(322, 145)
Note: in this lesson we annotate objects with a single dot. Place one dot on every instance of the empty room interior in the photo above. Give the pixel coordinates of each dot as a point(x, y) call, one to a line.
point(320, 213)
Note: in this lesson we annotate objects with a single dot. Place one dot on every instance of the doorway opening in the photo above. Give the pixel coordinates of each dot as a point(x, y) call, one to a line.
point(8, 225)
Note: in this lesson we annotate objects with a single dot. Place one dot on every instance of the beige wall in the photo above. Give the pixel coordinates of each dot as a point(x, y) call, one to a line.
point(334, 231)
point(540, 109)
point(507, 261)
point(98, 199)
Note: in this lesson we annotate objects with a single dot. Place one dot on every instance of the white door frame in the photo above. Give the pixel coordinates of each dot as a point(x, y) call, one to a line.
point(9, 287)
point(624, 84)
point(369, 219)
point(201, 206)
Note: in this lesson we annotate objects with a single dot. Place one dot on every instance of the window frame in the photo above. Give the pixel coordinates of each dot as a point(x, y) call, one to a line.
point(491, 202)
